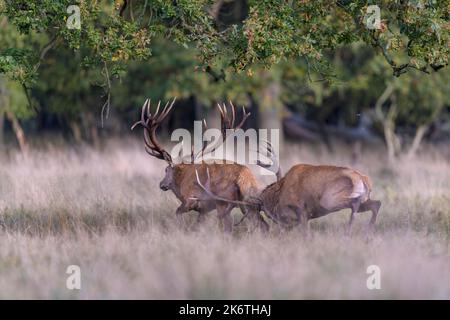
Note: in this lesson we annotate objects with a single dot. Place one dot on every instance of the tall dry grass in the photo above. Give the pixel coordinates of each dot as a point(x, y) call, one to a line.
point(103, 211)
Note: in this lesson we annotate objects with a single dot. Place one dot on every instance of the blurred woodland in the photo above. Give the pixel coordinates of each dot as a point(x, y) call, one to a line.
point(311, 68)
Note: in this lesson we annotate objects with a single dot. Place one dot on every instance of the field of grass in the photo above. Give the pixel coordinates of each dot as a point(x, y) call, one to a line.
point(103, 211)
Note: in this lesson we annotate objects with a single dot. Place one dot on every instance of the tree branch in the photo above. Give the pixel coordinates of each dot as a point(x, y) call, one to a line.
point(45, 50)
point(124, 6)
point(382, 99)
point(106, 105)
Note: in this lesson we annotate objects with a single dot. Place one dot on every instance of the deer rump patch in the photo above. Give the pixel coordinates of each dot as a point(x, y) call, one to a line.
point(340, 192)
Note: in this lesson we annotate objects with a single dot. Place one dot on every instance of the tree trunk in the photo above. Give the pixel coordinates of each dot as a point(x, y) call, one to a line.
point(18, 131)
point(253, 108)
point(17, 128)
point(269, 112)
point(76, 131)
point(198, 109)
point(420, 132)
point(2, 124)
point(213, 118)
point(388, 121)
point(94, 131)
point(356, 152)
point(90, 129)
point(392, 141)
point(3, 101)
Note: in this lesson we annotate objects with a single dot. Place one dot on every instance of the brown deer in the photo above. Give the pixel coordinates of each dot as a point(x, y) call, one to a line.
point(229, 180)
point(308, 192)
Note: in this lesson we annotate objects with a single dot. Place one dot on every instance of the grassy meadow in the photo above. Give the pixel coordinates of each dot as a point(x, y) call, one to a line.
point(104, 211)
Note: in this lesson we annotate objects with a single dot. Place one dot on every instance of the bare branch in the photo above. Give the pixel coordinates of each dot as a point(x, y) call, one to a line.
point(106, 105)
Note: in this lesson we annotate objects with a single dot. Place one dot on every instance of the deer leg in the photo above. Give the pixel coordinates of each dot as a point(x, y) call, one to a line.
point(372, 205)
point(302, 217)
point(258, 220)
point(224, 212)
point(246, 214)
point(355, 205)
point(201, 217)
point(180, 210)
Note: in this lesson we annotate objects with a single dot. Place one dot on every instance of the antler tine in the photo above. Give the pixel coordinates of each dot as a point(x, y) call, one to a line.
point(148, 140)
point(271, 151)
point(225, 109)
point(245, 116)
point(150, 123)
point(199, 182)
point(160, 116)
point(215, 197)
point(220, 110)
point(201, 185)
point(205, 144)
point(208, 177)
point(273, 158)
point(145, 109)
point(142, 121)
point(135, 125)
point(207, 187)
point(149, 114)
point(166, 112)
point(223, 119)
point(233, 114)
point(268, 145)
point(171, 105)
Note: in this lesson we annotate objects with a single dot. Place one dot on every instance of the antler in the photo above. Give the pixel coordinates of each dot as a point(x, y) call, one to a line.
point(227, 122)
point(151, 123)
point(206, 187)
point(273, 158)
point(193, 157)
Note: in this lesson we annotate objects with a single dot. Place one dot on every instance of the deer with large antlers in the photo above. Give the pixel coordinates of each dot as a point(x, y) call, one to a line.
point(308, 192)
point(229, 180)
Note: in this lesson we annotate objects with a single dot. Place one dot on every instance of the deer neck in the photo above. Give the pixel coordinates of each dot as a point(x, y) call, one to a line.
point(178, 176)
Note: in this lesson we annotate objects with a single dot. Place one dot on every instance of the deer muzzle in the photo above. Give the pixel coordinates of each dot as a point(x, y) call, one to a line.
point(163, 186)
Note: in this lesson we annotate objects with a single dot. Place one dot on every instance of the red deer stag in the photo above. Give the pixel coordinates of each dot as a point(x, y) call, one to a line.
point(308, 192)
point(229, 180)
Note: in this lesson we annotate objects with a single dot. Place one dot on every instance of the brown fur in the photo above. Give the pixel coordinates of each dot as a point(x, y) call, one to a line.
point(308, 192)
point(229, 180)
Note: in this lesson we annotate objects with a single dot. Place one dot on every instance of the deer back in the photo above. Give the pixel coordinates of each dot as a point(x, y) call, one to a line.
point(322, 188)
point(229, 180)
